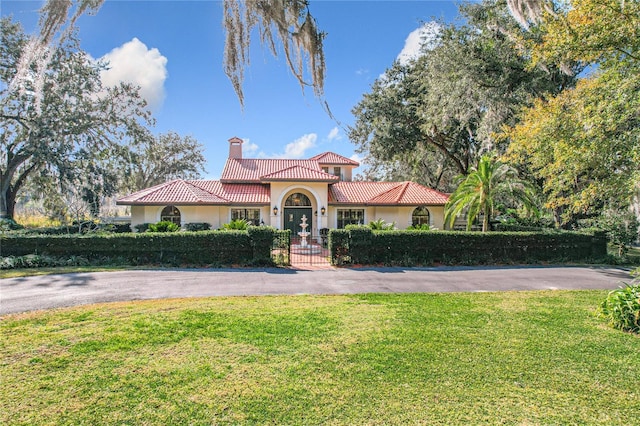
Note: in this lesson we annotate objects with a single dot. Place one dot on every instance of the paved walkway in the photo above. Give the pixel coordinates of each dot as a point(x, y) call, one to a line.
point(55, 291)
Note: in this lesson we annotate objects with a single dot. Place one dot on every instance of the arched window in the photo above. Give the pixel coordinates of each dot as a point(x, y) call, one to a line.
point(420, 216)
point(297, 200)
point(171, 214)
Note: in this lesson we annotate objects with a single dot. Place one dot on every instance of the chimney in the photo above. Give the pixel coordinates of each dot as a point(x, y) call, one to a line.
point(235, 148)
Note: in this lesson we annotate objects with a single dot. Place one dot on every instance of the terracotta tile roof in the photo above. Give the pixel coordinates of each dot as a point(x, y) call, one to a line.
point(238, 193)
point(384, 193)
point(299, 174)
point(333, 158)
point(205, 192)
point(252, 169)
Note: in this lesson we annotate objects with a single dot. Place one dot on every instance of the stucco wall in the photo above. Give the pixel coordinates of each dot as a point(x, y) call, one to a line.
point(317, 193)
point(400, 215)
point(216, 216)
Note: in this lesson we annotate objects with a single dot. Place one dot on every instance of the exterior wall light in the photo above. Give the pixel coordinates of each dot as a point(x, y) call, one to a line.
point(323, 211)
point(275, 210)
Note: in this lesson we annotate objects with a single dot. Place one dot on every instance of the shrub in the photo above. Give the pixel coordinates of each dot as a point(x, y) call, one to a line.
point(142, 227)
point(116, 228)
point(422, 227)
point(174, 248)
point(9, 225)
point(163, 226)
point(381, 225)
point(339, 246)
point(40, 261)
point(261, 243)
point(621, 308)
point(361, 245)
point(237, 225)
point(197, 226)
point(621, 228)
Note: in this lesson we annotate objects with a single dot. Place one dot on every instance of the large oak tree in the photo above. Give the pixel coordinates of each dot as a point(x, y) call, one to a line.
point(447, 105)
point(62, 122)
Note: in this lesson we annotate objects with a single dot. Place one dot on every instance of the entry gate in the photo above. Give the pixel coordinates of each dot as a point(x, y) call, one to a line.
point(294, 252)
point(315, 253)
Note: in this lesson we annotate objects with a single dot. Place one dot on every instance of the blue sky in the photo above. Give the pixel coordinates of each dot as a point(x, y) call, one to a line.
point(174, 50)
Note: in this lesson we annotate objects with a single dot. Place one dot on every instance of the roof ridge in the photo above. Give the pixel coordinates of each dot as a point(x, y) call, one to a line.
point(405, 185)
point(152, 190)
point(393, 188)
point(190, 185)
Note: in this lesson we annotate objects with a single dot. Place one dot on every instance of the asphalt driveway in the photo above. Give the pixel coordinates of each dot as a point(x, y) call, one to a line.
point(55, 291)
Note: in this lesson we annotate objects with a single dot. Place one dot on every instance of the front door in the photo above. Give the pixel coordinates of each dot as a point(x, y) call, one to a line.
point(293, 218)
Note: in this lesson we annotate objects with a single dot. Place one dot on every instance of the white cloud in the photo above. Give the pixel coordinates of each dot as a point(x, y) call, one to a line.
point(134, 63)
point(249, 149)
point(297, 148)
point(426, 35)
point(356, 157)
point(334, 134)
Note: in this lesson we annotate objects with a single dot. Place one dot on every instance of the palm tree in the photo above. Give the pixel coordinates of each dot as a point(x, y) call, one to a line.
point(478, 191)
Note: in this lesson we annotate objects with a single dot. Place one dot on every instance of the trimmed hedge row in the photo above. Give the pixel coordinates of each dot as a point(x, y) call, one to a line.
point(194, 248)
point(407, 248)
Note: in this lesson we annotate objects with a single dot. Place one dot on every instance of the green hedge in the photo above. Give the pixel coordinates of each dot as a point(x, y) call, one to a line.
point(195, 248)
point(408, 248)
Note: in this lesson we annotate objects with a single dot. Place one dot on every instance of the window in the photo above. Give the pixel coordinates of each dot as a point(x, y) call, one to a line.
point(325, 169)
point(337, 171)
point(297, 200)
point(250, 215)
point(350, 217)
point(170, 214)
point(421, 216)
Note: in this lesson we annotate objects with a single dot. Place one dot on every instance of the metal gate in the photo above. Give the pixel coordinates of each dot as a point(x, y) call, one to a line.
point(300, 254)
point(312, 254)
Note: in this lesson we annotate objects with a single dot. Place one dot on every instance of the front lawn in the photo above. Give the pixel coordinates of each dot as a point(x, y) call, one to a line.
point(486, 358)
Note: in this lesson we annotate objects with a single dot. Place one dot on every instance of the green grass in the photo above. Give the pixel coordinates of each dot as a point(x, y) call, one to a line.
point(493, 358)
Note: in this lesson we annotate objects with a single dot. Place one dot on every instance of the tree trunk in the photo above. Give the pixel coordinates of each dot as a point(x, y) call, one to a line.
point(485, 219)
point(7, 204)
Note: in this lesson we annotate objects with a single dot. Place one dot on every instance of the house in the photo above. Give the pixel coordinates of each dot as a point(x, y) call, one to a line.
point(278, 192)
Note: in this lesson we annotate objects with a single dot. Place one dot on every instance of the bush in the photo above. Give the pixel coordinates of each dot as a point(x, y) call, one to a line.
point(422, 227)
point(339, 246)
point(381, 225)
point(361, 245)
point(621, 228)
point(172, 248)
point(40, 261)
point(142, 227)
point(163, 226)
point(197, 226)
point(116, 228)
point(261, 242)
point(237, 225)
point(9, 225)
point(621, 308)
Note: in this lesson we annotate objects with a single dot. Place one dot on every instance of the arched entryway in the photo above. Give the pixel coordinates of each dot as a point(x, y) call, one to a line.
point(297, 205)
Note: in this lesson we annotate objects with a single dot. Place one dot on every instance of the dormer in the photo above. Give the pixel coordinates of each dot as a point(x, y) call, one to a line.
point(336, 165)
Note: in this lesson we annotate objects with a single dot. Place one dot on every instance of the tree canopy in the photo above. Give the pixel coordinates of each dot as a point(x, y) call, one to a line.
point(79, 137)
point(448, 104)
point(72, 130)
point(584, 144)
